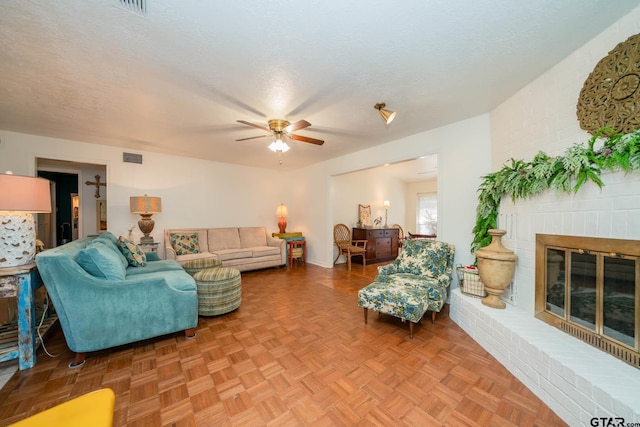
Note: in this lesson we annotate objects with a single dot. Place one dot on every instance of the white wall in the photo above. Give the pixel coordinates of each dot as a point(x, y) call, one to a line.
point(542, 116)
point(195, 193)
point(199, 193)
point(369, 187)
point(372, 187)
point(576, 380)
point(463, 157)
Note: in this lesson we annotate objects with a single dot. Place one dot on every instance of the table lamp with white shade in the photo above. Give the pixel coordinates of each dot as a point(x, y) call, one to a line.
point(20, 196)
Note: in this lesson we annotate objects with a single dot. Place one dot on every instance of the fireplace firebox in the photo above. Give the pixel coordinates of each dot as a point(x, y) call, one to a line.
point(588, 287)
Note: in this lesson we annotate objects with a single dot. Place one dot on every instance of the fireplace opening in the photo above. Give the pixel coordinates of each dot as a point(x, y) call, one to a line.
point(588, 287)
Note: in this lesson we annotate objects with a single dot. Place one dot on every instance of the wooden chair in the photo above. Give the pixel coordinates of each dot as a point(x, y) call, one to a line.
point(400, 234)
point(348, 247)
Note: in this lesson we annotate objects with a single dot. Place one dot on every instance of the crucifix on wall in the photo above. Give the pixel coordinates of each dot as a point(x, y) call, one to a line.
point(97, 184)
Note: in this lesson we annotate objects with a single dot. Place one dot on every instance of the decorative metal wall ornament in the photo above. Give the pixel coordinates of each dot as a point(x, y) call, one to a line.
point(98, 184)
point(610, 97)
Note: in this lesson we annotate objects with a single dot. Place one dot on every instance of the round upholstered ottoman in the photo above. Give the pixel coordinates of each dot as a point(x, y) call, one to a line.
point(195, 265)
point(219, 290)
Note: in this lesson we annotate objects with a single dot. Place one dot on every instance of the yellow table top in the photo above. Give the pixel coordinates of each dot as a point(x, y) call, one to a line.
point(285, 235)
point(92, 409)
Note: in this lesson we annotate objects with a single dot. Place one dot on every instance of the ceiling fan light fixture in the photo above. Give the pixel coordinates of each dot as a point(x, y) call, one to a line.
point(279, 145)
point(387, 115)
point(279, 129)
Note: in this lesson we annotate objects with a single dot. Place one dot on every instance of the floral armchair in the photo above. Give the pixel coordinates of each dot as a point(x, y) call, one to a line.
point(416, 282)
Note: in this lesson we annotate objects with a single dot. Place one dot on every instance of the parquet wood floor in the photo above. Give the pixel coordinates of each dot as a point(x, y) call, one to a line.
point(296, 353)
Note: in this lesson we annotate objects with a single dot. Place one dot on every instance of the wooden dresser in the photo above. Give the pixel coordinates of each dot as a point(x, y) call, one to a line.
point(382, 243)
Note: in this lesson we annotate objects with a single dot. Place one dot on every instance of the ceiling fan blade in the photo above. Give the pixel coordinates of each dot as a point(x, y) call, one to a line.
point(252, 137)
point(254, 125)
point(306, 139)
point(300, 124)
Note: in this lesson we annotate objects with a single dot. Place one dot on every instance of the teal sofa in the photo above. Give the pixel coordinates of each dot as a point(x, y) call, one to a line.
point(103, 302)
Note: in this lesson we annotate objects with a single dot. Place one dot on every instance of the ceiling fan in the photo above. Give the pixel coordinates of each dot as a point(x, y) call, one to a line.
point(280, 129)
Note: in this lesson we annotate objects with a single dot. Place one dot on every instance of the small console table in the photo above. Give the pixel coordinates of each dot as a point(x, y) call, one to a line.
point(296, 246)
point(22, 281)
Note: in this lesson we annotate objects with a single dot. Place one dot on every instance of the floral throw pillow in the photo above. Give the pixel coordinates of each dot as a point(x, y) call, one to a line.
point(185, 244)
point(133, 253)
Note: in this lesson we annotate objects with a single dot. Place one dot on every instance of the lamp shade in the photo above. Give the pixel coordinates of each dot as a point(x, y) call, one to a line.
point(145, 204)
point(387, 115)
point(386, 204)
point(24, 194)
point(279, 145)
point(282, 211)
point(19, 197)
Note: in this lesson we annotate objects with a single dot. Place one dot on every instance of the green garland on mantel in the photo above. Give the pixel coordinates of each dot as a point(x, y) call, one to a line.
point(566, 174)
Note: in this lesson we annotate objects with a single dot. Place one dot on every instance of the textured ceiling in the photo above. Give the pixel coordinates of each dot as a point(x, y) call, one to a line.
point(176, 80)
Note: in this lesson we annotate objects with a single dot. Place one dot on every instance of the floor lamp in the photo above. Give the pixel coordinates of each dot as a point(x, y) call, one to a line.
point(20, 196)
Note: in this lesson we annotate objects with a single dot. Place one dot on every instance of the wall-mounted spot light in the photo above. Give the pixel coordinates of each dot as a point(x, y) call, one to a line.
point(387, 115)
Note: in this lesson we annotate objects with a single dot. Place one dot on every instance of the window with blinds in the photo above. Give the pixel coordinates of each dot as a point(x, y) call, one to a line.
point(427, 213)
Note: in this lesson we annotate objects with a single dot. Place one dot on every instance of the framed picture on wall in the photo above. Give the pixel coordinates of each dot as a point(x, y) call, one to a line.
point(364, 215)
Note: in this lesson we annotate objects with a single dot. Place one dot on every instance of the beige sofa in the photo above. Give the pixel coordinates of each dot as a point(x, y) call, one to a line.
point(243, 248)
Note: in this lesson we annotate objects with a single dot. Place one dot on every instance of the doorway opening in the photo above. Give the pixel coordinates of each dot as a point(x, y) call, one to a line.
point(390, 193)
point(391, 190)
point(73, 198)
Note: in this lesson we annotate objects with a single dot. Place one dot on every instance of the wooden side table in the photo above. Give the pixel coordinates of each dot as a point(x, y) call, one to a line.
point(149, 247)
point(295, 240)
point(294, 244)
point(22, 281)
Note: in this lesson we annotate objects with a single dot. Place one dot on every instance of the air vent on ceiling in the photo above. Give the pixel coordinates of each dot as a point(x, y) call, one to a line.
point(136, 6)
point(132, 158)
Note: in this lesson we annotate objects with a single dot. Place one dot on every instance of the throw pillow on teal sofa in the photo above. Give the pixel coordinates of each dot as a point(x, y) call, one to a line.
point(133, 253)
point(100, 261)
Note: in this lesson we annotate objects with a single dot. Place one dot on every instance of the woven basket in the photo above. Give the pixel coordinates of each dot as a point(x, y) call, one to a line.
point(470, 283)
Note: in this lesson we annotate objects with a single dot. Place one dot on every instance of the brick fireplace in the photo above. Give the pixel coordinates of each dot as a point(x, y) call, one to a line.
point(575, 379)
